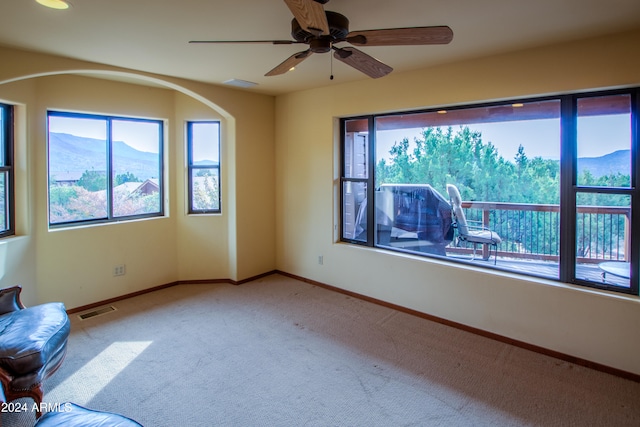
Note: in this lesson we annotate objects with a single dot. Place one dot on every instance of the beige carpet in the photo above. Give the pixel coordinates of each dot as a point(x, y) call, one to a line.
point(279, 352)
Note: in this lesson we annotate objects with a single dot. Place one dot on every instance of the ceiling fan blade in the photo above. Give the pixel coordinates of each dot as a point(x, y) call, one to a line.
point(362, 62)
point(401, 36)
point(310, 15)
point(289, 63)
point(246, 41)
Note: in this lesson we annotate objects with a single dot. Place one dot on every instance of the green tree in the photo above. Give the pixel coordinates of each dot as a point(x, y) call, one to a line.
point(92, 180)
point(205, 172)
point(62, 194)
point(205, 193)
point(443, 156)
point(126, 177)
point(73, 203)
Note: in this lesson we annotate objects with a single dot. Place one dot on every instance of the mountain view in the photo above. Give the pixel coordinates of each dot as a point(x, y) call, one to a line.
point(70, 156)
point(612, 163)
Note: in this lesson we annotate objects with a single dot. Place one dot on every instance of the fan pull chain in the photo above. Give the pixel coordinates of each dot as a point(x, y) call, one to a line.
point(331, 55)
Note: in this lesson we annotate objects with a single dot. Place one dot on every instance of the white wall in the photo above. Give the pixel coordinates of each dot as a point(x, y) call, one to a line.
point(202, 248)
point(76, 264)
point(17, 254)
point(601, 327)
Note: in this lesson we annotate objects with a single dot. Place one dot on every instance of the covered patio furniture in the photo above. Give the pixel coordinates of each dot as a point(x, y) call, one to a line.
point(414, 217)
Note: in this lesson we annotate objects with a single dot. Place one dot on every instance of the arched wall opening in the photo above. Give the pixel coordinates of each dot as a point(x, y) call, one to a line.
point(27, 248)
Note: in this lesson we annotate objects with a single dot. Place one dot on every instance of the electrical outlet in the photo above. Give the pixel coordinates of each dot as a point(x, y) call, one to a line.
point(320, 259)
point(119, 270)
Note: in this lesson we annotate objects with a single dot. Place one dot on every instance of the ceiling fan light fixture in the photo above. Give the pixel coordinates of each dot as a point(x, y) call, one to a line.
point(55, 4)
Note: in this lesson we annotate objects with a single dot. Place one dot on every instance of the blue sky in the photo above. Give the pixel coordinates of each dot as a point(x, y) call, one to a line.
point(597, 136)
point(142, 136)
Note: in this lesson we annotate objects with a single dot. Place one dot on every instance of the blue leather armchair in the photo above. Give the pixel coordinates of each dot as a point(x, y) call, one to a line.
point(33, 343)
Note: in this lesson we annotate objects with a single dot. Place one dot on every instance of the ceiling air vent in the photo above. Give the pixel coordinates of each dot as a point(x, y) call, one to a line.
point(96, 312)
point(239, 83)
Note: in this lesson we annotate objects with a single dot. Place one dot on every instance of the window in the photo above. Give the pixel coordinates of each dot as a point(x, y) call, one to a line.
point(548, 186)
point(203, 146)
point(603, 195)
point(6, 171)
point(104, 168)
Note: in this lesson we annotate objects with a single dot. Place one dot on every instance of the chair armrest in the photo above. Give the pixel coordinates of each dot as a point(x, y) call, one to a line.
point(10, 300)
point(477, 225)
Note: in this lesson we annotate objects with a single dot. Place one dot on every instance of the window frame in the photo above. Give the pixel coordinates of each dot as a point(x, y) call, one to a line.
point(568, 184)
point(572, 189)
point(191, 167)
point(7, 146)
point(110, 216)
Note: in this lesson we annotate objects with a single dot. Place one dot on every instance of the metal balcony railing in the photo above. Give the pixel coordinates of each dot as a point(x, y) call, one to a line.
point(531, 231)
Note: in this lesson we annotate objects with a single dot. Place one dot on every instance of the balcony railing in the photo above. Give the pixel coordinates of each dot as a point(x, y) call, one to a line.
point(533, 231)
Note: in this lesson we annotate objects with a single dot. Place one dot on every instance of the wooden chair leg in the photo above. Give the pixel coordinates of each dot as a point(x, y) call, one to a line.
point(36, 393)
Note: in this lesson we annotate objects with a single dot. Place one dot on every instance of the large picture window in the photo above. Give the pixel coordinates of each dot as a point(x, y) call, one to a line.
point(103, 168)
point(203, 146)
point(6, 171)
point(545, 187)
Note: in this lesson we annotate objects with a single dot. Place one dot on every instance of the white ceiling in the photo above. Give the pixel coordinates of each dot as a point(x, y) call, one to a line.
point(153, 35)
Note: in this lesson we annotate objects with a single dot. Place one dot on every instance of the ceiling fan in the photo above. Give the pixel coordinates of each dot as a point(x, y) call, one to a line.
point(322, 30)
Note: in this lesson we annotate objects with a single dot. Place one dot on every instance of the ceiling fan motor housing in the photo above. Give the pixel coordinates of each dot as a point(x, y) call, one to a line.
point(338, 30)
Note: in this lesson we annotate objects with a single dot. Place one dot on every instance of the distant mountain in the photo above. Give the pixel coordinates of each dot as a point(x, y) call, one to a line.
point(612, 163)
point(70, 156)
point(206, 163)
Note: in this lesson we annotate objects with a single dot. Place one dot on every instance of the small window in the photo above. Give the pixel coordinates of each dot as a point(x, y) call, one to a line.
point(104, 168)
point(6, 171)
point(203, 145)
